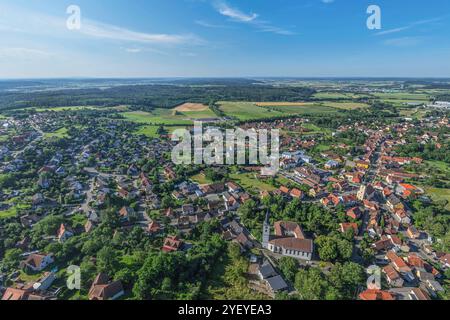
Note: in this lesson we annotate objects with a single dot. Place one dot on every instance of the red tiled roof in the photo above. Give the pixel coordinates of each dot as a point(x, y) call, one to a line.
point(374, 294)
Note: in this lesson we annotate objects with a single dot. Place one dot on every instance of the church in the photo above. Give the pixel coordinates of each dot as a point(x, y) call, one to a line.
point(288, 240)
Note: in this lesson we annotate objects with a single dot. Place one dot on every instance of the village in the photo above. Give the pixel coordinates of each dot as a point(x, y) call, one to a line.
point(62, 185)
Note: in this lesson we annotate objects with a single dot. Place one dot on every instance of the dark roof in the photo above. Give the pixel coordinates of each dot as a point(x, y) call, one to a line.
point(277, 283)
point(267, 270)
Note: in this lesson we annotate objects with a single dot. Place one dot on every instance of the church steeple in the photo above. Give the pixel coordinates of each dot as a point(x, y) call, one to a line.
point(266, 231)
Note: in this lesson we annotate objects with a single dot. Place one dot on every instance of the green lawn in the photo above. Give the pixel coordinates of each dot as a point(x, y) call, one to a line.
point(60, 133)
point(9, 213)
point(250, 182)
point(441, 165)
point(12, 211)
point(151, 130)
point(438, 194)
point(28, 277)
point(201, 179)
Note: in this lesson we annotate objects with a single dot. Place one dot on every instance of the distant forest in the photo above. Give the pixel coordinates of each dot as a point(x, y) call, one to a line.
point(155, 95)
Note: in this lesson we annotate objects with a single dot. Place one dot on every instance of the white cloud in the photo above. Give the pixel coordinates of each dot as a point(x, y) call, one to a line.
point(133, 50)
point(18, 20)
point(224, 9)
point(411, 25)
point(249, 18)
point(105, 31)
point(207, 24)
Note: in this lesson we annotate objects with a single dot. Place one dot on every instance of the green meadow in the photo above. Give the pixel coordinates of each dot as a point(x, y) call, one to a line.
point(250, 111)
point(439, 194)
point(60, 133)
point(157, 116)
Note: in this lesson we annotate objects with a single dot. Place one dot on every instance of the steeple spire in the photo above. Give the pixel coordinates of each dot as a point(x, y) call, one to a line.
point(266, 231)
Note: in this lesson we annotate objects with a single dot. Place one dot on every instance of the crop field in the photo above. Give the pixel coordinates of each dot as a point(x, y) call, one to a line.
point(283, 104)
point(201, 114)
point(246, 111)
point(168, 116)
point(157, 116)
point(403, 96)
point(310, 109)
point(346, 105)
point(251, 111)
point(191, 107)
point(402, 102)
point(337, 95)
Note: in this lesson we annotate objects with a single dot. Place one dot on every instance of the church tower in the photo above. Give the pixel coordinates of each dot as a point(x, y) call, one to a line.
point(266, 231)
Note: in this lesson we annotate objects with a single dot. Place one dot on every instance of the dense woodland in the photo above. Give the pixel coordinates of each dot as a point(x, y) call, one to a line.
point(149, 96)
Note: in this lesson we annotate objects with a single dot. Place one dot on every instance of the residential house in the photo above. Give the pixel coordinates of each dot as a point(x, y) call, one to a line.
point(127, 214)
point(344, 227)
point(172, 243)
point(393, 277)
point(104, 289)
point(296, 194)
point(412, 232)
point(64, 233)
point(376, 294)
point(37, 261)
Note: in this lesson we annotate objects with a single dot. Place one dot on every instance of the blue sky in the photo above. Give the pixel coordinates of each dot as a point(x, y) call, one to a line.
point(229, 38)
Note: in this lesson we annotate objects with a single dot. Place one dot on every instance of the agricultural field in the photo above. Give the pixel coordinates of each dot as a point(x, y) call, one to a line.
point(195, 111)
point(417, 113)
point(157, 116)
point(246, 111)
point(346, 105)
point(170, 116)
point(402, 96)
point(283, 104)
point(254, 111)
point(188, 107)
point(309, 109)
